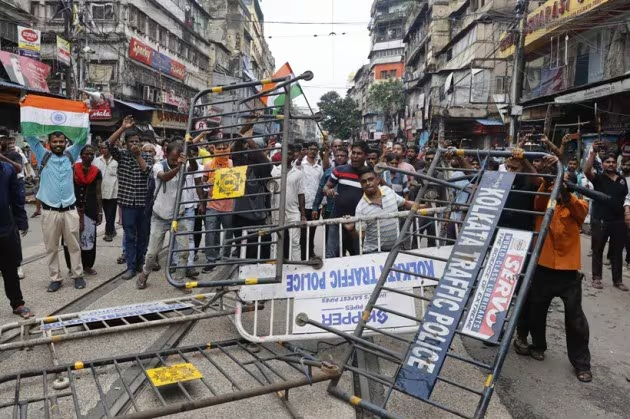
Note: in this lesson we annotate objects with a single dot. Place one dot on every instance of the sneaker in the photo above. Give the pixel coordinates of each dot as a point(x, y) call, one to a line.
point(54, 286)
point(597, 284)
point(537, 355)
point(196, 258)
point(191, 273)
point(620, 286)
point(128, 275)
point(208, 268)
point(20, 272)
point(107, 238)
point(90, 271)
point(79, 283)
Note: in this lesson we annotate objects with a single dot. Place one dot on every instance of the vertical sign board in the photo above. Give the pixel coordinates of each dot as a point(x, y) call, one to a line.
point(493, 295)
point(425, 356)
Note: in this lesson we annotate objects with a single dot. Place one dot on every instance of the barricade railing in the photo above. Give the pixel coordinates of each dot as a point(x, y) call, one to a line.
point(479, 296)
point(232, 194)
point(153, 384)
point(328, 285)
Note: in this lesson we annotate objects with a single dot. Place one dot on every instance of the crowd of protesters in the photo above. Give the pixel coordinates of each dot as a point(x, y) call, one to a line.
point(129, 181)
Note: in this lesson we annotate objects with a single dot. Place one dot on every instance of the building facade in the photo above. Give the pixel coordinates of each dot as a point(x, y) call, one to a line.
point(576, 75)
point(150, 57)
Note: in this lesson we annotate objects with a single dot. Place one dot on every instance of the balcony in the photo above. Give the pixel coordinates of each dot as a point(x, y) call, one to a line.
point(415, 44)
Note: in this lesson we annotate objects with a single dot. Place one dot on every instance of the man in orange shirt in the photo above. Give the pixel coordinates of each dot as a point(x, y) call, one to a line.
point(557, 275)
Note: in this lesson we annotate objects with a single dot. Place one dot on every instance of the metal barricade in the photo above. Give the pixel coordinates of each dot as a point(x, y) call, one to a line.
point(479, 296)
point(338, 282)
point(152, 384)
point(241, 225)
point(111, 320)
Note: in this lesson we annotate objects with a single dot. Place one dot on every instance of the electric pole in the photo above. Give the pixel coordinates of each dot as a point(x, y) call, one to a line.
point(67, 31)
point(518, 69)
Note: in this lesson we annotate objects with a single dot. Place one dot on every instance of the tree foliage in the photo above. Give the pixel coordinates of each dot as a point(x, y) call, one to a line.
point(388, 98)
point(342, 117)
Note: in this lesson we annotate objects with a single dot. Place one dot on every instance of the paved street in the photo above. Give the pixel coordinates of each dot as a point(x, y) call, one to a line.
point(527, 388)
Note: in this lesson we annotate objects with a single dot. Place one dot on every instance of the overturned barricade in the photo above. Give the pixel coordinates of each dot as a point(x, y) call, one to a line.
point(479, 295)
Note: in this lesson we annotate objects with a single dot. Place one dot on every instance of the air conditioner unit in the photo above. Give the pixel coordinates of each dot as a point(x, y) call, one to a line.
point(148, 93)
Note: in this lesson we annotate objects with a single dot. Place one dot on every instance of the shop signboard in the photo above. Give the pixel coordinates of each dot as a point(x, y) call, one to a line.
point(143, 53)
point(29, 42)
point(549, 16)
point(63, 51)
point(25, 71)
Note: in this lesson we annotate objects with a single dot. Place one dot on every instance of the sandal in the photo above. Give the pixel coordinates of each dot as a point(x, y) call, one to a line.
point(141, 281)
point(23, 312)
point(597, 284)
point(584, 376)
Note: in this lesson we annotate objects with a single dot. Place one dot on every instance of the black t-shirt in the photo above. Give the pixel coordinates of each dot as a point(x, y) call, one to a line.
point(14, 156)
point(519, 201)
point(617, 189)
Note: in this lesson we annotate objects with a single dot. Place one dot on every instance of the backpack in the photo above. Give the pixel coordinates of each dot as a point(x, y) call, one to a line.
point(49, 154)
point(153, 189)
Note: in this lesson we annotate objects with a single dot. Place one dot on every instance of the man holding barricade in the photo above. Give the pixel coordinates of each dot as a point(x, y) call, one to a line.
point(378, 235)
point(557, 275)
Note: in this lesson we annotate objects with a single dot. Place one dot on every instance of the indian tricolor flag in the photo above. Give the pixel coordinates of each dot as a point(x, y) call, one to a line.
point(41, 116)
point(279, 100)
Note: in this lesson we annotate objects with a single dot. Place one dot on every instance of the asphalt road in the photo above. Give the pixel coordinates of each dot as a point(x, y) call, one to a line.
point(526, 388)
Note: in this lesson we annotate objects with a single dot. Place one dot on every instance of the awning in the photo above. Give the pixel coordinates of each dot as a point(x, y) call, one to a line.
point(136, 106)
point(105, 124)
point(490, 122)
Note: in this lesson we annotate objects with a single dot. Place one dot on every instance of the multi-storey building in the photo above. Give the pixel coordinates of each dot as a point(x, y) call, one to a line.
point(576, 54)
point(454, 76)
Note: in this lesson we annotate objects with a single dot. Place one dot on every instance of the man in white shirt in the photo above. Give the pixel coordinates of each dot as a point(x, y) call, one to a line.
point(166, 174)
point(313, 172)
point(377, 201)
point(295, 209)
point(109, 189)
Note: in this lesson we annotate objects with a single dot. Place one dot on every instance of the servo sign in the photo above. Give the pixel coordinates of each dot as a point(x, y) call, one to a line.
point(425, 356)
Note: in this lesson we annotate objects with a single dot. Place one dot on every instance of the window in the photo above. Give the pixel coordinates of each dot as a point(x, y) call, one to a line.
point(142, 22)
point(383, 74)
point(163, 38)
point(153, 30)
point(501, 84)
point(185, 51)
point(35, 9)
point(103, 11)
point(51, 9)
point(392, 74)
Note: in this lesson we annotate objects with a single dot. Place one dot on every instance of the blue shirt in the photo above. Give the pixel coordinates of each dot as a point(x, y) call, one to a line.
point(56, 181)
point(12, 211)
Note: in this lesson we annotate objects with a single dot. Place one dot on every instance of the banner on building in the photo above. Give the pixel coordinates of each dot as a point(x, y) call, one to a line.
point(143, 53)
point(25, 71)
point(29, 42)
point(63, 51)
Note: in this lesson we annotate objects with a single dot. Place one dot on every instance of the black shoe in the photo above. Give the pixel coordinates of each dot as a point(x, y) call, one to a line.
point(128, 275)
point(191, 273)
point(79, 283)
point(208, 268)
point(107, 238)
point(54, 286)
point(121, 260)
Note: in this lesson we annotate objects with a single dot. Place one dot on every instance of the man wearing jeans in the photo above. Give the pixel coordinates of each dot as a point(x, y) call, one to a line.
point(167, 176)
point(134, 168)
point(347, 196)
point(607, 217)
point(218, 211)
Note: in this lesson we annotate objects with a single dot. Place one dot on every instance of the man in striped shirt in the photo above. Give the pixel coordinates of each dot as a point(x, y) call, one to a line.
point(377, 201)
point(347, 195)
